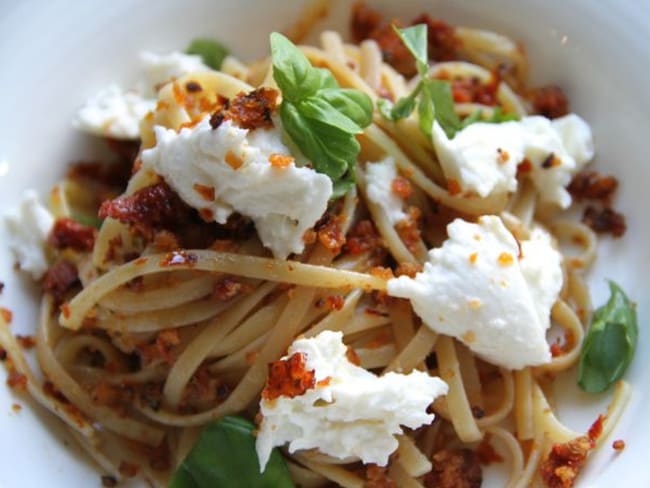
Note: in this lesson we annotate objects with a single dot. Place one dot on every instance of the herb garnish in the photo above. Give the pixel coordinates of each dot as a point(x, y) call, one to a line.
point(609, 346)
point(225, 457)
point(435, 98)
point(321, 118)
point(212, 52)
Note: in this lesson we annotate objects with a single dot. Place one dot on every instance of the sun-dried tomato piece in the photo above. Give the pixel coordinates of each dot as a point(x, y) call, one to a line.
point(363, 21)
point(253, 110)
point(362, 237)
point(66, 233)
point(330, 234)
point(454, 468)
point(550, 101)
point(564, 462)
point(288, 377)
point(593, 186)
point(409, 229)
point(377, 477)
point(473, 90)
point(605, 220)
point(60, 278)
point(250, 110)
point(152, 207)
point(368, 24)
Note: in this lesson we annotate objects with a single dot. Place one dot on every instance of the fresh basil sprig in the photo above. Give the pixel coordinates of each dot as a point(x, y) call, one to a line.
point(433, 98)
point(225, 457)
point(609, 347)
point(321, 118)
point(212, 52)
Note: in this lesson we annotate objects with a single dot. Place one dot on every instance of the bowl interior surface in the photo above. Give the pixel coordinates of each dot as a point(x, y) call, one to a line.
point(58, 53)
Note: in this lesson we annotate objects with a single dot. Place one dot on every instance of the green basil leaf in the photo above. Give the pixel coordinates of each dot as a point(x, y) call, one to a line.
point(224, 457)
point(325, 79)
point(403, 108)
point(499, 116)
point(400, 110)
point(427, 109)
point(292, 71)
point(212, 52)
point(330, 150)
point(342, 186)
point(438, 93)
point(416, 40)
point(353, 104)
point(476, 116)
point(385, 108)
point(317, 108)
point(320, 118)
point(610, 343)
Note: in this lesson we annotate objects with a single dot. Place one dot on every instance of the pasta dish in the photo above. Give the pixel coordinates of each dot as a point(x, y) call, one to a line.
point(348, 264)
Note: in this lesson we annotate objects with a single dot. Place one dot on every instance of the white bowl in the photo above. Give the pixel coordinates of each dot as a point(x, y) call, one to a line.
point(57, 53)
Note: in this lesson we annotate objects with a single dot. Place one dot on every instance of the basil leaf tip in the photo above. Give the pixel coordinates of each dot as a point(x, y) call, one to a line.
point(415, 39)
point(212, 52)
point(609, 345)
point(224, 457)
point(319, 116)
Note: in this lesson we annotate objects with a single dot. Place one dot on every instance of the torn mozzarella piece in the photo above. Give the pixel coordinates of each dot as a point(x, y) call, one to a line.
point(225, 170)
point(159, 69)
point(557, 150)
point(27, 231)
point(117, 113)
point(483, 157)
point(541, 265)
point(379, 179)
point(348, 412)
point(114, 113)
point(475, 288)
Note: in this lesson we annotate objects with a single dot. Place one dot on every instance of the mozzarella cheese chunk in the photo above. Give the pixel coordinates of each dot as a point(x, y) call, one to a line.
point(159, 69)
point(27, 230)
point(350, 413)
point(225, 170)
point(570, 141)
point(483, 157)
point(379, 180)
point(541, 265)
point(475, 288)
point(471, 158)
point(114, 113)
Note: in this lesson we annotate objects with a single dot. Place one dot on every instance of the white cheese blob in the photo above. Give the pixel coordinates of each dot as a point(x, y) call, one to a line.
point(483, 157)
point(352, 414)
point(27, 230)
point(472, 158)
point(114, 113)
point(476, 289)
point(570, 141)
point(541, 265)
point(159, 69)
point(379, 179)
point(233, 163)
point(117, 113)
